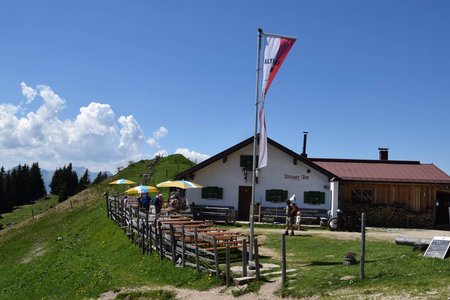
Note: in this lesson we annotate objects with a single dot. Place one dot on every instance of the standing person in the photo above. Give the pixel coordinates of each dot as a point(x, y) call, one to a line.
point(290, 217)
point(146, 202)
point(298, 217)
point(158, 202)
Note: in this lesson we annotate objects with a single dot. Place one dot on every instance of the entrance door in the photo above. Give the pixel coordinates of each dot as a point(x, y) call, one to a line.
point(245, 198)
point(442, 212)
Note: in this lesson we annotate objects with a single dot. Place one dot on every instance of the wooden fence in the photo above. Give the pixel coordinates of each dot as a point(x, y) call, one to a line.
point(186, 242)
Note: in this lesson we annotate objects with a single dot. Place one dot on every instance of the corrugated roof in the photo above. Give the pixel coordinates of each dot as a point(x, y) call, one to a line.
point(385, 171)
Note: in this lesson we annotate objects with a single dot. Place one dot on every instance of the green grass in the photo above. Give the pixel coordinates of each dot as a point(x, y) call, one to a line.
point(80, 253)
point(27, 211)
point(389, 269)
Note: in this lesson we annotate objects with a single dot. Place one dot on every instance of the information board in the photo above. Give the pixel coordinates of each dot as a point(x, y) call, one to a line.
point(438, 247)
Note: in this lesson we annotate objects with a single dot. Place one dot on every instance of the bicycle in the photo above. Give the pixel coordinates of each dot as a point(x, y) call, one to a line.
point(343, 222)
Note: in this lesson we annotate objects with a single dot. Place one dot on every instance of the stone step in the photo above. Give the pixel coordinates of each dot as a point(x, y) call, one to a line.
point(243, 280)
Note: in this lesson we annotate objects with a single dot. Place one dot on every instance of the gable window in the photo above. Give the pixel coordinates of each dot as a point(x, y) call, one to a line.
point(246, 162)
point(212, 192)
point(277, 196)
point(362, 195)
point(314, 197)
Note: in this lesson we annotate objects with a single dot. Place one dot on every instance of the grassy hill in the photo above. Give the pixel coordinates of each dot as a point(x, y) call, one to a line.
point(74, 251)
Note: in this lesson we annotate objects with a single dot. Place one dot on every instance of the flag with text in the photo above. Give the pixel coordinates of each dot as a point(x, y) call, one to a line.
point(276, 50)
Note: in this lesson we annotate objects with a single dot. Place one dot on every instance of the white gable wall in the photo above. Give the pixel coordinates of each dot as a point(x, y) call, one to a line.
point(280, 173)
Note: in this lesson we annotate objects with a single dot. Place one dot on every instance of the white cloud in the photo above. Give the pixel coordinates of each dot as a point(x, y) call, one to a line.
point(28, 92)
point(162, 153)
point(95, 138)
point(192, 155)
point(158, 134)
point(152, 142)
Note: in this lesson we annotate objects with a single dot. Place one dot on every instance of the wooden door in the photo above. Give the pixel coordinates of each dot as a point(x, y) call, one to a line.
point(245, 198)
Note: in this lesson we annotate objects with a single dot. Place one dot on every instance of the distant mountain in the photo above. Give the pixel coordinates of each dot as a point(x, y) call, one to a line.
point(47, 175)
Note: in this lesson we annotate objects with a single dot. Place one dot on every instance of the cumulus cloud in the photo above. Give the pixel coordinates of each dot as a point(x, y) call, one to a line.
point(95, 138)
point(28, 92)
point(192, 155)
point(158, 134)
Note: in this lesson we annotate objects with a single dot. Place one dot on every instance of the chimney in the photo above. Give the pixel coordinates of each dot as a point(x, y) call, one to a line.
point(305, 135)
point(384, 153)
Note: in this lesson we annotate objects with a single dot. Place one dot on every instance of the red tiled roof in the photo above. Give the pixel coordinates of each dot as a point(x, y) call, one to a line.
point(385, 171)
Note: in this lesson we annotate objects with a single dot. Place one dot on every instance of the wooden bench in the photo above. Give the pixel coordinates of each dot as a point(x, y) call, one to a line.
point(278, 215)
point(214, 213)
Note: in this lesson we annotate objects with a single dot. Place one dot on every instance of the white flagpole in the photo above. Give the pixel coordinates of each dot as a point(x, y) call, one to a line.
point(255, 137)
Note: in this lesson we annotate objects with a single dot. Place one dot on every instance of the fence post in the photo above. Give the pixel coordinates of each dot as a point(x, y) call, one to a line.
point(256, 249)
point(283, 258)
point(227, 254)
point(150, 241)
point(143, 237)
point(107, 205)
point(216, 257)
point(197, 261)
point(32, 214)
point(130, 225)
point(244, 258)
point(363, 246)
point(173, 241)
point(183, 248)
point(160, 235)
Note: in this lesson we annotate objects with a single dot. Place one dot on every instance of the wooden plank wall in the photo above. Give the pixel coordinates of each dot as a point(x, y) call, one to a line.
point(414, 197)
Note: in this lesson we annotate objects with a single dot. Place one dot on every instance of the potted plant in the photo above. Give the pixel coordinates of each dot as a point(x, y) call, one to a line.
point(349, 258)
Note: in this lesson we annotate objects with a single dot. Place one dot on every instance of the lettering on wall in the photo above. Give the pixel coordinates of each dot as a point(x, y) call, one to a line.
point(296, 177)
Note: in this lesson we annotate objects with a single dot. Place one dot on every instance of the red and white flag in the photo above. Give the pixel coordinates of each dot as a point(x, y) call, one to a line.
point(276, 50)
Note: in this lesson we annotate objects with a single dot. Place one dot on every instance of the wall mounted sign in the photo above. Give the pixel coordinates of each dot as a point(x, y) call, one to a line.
point(296, 177)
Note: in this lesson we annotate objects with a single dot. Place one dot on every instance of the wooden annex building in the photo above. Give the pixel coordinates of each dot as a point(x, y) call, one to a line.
point(392, 193)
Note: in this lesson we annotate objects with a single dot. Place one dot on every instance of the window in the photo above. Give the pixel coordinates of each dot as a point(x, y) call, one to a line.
point(362, 195)
point(314, 197)
point(246, 162)
point(276, 195)
point(212, 192)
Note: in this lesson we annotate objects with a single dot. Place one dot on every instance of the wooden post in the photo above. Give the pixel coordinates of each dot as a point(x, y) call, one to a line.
point(244, 258)
point(107, 205)
point(196, 250)
point(256, 257)
point(160, 235)
point(216, 257)
point(183, 248)
point(173, 243)
point(283, 258)
point(363, 246)
point(130, 215)
point(143, 237)
point(138, 220)
point(150, 240)
point(32, 214)
point(227, 258)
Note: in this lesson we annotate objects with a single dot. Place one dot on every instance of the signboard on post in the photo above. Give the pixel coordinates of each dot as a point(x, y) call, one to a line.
point(438, 247)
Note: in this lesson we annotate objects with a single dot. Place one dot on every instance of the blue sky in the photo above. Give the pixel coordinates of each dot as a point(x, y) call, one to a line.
point(101, 83)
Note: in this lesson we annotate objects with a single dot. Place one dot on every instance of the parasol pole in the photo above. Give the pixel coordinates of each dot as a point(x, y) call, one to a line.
point(255, 137)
